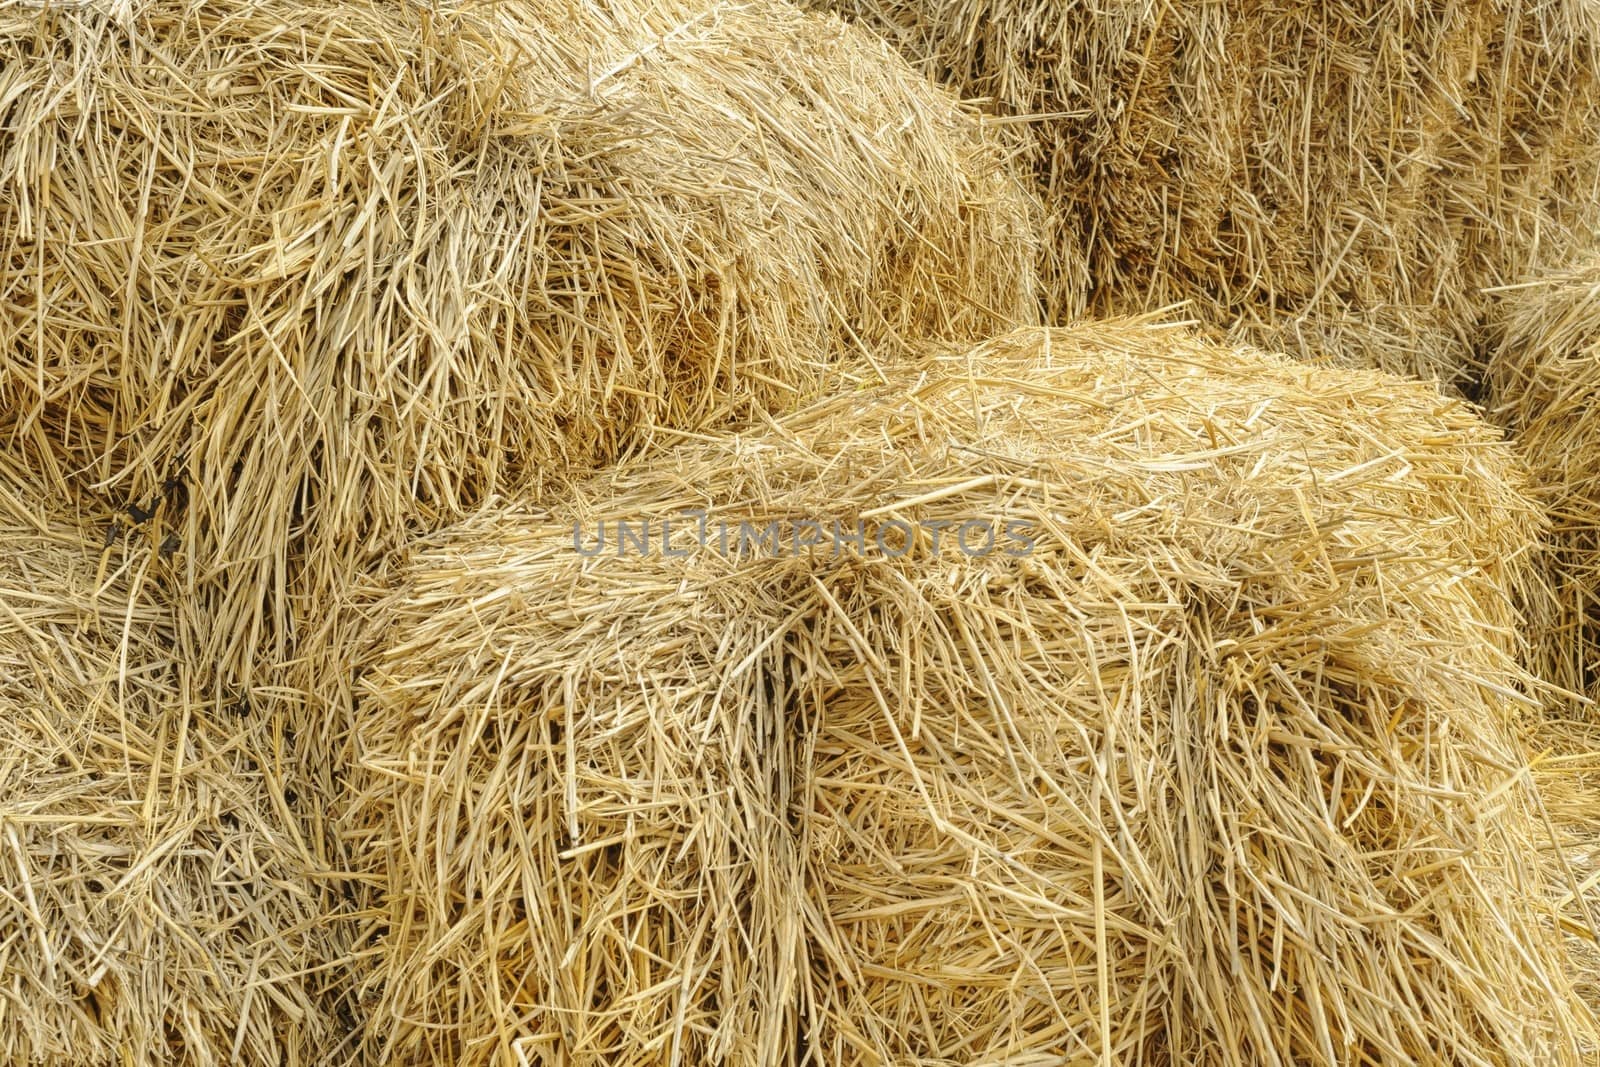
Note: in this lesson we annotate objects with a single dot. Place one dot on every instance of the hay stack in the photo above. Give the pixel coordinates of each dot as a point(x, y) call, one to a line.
point(300, 276)
point(1221, 770)
point(1544, 381)
point(1331, 179)
point(156, 906)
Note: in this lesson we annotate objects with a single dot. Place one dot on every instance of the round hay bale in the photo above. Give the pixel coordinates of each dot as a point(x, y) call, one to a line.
point(333, 272)
point(1332, 180)
point(1544, 381)
point(1198, 746)
point(156, 905)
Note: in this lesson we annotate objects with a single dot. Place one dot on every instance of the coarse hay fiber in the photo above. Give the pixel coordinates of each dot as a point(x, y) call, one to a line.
point(1211, 757)
point(157, 906)
point(1337, 180)
point(295, 279)
point(1544, 382)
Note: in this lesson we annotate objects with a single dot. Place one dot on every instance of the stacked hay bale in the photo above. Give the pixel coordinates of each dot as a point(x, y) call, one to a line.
point(295, 279)
point(1544, 381)
point(1121, 697)
point(1336, 179)
point(575, 794)
point(156, 905)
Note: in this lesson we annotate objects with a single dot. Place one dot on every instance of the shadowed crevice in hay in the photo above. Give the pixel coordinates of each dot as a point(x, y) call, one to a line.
point(1225, 770)
point(1335, 180)
point(347, 270)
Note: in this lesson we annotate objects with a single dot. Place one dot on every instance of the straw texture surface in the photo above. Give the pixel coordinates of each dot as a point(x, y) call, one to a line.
point(1544, 384)
point(1336, 180)
point(156, 905)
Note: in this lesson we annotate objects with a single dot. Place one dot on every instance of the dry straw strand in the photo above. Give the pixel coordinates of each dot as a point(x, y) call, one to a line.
point(1567, 771)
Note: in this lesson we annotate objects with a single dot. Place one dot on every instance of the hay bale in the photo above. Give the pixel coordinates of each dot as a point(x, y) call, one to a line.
point(1332, 180)
point(576, 804)
point(300, 277)
point(156, 905)
point(1222, 769)
point(1544, 379)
